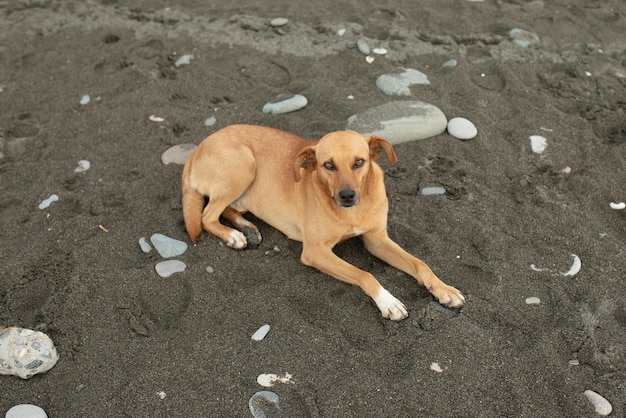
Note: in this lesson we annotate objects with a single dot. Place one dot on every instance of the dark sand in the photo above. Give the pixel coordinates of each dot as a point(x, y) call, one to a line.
point(124, 334)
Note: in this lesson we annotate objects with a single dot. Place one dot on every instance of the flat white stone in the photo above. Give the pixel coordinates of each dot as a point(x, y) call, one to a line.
point(279, 21)
point(523, 37)
point(261, 333)
point(47, 202)
point(26, 411)
point(177, 154)
point(363, 47)
point(168, 267)
point(143, 244)
point(450, 63)
point(183, 60)
point(398, 84)
point(85, 100)
point(533, 300)
point(433, 190)
point(400, 121)
point(617, 205)
point(285, 103)
point(538, 144)
point(462, 128)
point(83, 165)
point(210, 121)
point(168, 247)
point(25, 353)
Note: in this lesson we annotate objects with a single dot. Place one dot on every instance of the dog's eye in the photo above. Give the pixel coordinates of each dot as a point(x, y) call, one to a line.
point(359, 163)
point(329, 165)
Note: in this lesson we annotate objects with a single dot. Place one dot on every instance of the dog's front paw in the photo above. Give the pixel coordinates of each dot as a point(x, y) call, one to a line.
point(389, 306)
point(236, 240)
point(449, 296)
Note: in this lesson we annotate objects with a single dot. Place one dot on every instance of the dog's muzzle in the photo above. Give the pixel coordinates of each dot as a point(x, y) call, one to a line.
point(347, 198)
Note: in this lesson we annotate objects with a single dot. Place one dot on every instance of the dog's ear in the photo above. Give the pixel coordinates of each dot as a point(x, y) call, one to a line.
point(305, 159)
point(378, 145)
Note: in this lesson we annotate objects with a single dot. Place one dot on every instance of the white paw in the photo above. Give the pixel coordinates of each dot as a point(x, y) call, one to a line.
point(236, 240)
point(389, 306)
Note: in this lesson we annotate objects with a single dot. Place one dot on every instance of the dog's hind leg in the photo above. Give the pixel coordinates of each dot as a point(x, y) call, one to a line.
point(249, 230)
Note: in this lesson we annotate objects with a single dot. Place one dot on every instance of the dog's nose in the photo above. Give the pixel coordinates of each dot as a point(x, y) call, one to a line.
point(347, 197)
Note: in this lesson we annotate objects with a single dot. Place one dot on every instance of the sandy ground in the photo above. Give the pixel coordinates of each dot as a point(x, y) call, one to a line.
point(125, 335)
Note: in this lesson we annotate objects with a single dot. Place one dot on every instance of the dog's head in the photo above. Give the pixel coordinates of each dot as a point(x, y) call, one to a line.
point(342, 161)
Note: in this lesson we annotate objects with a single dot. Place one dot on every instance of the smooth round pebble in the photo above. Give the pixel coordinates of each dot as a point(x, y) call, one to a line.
point(25, 353)
point(380, 51)
point(279, 21)
point(538, 144)
point(168, 247)
point(523, 37)
point(26, 410)
point(210, 269)
point(285, 103)
point(533, 300)
point(432, 191)
point(143, 244)
point(83, 165)
point(617, 205)
point(462, 128)
point(264, 404)
point(398, 84)
point(85, 100)
point(260, 333)
point(168, 267)
point(450, 63)
point(177, 154)
point(183, 60)
point(210, 121)
point(600, 404)
point(363, 47)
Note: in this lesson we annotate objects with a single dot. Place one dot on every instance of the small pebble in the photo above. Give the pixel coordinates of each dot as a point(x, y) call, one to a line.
point(210, 270)
point(264, 404)
point(155, 118)
point(341, 32)
point(260, 333)
point(523, 37)
point(432, 191)
point(47, 202)
point(363, 47)
point(269, 379)
point(161, 394)
point(285, 103)
point(398, 84)
point(85, 100)
point(574, 362)
point(369, 59)
point(538, 143)
point(83, 165)
point(177, 154)
point(183, 60)
point(461, 128)
point(600, 404)
point(380, 51)
point(575, 268)
point(143, 244)
point(279, 21)
point(533, 300)
point(450, 64)
point(617, 206)
point(436, 367)
point(26, 411)
point(168, 267)
point(210, 121)
point(168, 247)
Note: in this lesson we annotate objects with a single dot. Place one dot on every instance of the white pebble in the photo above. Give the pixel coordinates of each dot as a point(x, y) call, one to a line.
point(25, 353)
point(183, 60)
point(380, 51)
point(26, 411)
point(47, 202)
point(462, 128)
point(210, 270)
point(432, 191)
point(168, 267)
point(341, 32)
point(535, 268)
point(260, 333)
point(264, 404)
point(600, 404)
point(161, 394)
point(398, 84)
point(168, 247)
point(450, 63)
point(269, 379)
point(617, 206)
point(210, 121)
point(369, 59)
point(155, 118)
point(279, 21)
point(83, 165)
point(538, 143)
point(145, 247)
point(363, 47)
point(533, 300)
point(177, 154)
point(85, 100)
point(575, 268)
point(436, 367)
point(285, 103)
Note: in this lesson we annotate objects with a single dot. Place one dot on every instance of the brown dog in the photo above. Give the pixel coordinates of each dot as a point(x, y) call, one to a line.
point(317, 192)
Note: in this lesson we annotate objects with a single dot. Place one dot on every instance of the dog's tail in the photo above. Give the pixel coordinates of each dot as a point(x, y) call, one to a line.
point(193, 202)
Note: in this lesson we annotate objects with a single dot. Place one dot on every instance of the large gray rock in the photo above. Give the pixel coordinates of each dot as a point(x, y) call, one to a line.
point(400, 121)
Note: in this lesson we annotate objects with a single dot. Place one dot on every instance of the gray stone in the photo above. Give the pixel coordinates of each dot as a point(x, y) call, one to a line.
point(432, 191)
point(285, 103)
point(26, 410)
point(25, 353)
point(168, 247)
point(177, 154)
point(168, 267)
point(398, 84)
point(363, 47)
point(264, 404)
point(400, 121)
